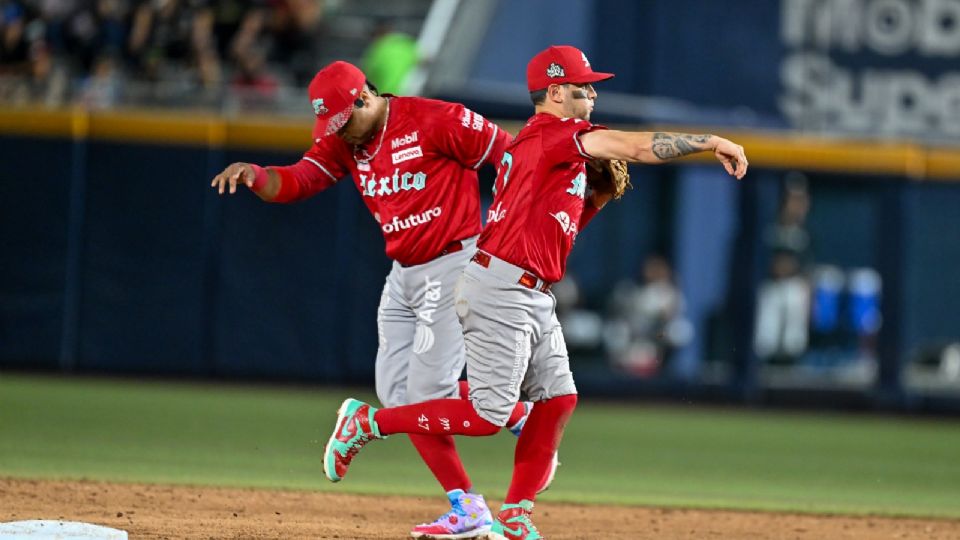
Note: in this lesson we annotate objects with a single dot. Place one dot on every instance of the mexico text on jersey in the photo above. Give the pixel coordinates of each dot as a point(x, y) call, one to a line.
point(418, 175)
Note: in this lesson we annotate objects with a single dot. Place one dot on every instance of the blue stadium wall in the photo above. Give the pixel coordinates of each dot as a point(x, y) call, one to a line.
point(118, 257)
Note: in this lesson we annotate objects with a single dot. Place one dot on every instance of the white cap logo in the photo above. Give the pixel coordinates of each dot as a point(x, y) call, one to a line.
point(585, 61)
point(318, 107)
point(555, 70)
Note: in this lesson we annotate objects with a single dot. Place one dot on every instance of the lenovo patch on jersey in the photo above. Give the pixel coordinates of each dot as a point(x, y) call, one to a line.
point(406, 155)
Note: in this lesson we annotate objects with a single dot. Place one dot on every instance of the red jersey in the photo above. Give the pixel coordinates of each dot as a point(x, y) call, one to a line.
point(417, 176)
point(541, 184)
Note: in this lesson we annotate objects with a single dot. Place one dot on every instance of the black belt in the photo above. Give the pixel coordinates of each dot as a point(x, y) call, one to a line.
point(452, 247)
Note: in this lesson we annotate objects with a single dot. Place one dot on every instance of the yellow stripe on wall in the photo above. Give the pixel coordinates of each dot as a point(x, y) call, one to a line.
point(36, 122)
point(943, 164)
point(774, 149)
point(268, 133)
point(179, 128)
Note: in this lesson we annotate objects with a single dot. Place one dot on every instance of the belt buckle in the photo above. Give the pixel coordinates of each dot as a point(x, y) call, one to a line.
point(528, 280)
point(481, 258)
point(531, 281)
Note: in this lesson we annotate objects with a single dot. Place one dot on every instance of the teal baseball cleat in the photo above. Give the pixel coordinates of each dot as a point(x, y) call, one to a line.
point(355, 427)
point(513, 523)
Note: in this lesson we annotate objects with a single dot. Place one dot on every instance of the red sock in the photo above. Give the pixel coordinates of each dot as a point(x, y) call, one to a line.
point(539, 440)
point(436, 417)
point(440, 455)
point(518, 410)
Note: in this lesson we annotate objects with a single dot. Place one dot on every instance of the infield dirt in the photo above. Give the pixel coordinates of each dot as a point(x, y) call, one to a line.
point(163, 511)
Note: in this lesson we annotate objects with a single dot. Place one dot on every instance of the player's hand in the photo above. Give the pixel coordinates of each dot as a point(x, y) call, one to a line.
point(733, 158)
point(235, 173)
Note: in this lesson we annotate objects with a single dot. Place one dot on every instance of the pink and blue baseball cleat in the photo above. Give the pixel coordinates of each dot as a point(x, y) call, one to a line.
point(468, 517)
point(355, 427)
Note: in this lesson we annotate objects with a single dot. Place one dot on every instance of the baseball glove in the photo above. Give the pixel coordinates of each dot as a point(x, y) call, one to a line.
point(608, 177)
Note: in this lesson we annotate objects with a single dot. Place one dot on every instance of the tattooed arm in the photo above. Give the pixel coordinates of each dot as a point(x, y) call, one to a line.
point(667, 146)
point(659, 147)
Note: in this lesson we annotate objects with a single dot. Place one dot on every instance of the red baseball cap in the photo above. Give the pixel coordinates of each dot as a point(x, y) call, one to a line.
point(333, 91)
point(561, 64)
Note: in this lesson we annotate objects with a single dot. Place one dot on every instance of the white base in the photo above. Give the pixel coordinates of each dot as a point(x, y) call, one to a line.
point(48, 529)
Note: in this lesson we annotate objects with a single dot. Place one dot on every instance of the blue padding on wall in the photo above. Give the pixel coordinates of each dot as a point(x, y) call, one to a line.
point(299, 285)
point(849, 205)
point(33, 242)
point(931, 260)
point(141, 299)
point(705, 227)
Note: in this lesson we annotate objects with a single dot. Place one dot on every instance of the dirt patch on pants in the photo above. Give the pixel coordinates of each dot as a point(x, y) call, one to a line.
point(162, 511)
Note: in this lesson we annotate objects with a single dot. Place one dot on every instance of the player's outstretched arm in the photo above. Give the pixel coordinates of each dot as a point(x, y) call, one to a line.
point(659, 147)
point(265, 183)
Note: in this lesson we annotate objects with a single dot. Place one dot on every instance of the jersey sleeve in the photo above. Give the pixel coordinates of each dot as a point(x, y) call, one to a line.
point(561, 142)
point(589, 211)
point(322, 166)
point(464, 135)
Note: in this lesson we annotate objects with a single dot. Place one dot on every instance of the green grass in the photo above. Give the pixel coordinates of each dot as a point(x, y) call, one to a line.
point(272, 437)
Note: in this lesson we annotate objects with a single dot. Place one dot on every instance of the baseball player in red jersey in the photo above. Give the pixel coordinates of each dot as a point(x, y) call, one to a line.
point(513, 340)
point(414, 162)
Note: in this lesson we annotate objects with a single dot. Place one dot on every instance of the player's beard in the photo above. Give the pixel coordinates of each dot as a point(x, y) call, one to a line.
point(582, 109)
point(582, 105)
point(361, 139)
point(350, 133)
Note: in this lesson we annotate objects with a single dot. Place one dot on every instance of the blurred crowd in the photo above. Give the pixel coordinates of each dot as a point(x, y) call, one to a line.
point(813, 314)
point(636, 329)
point(811, 317)
point(53, 51)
